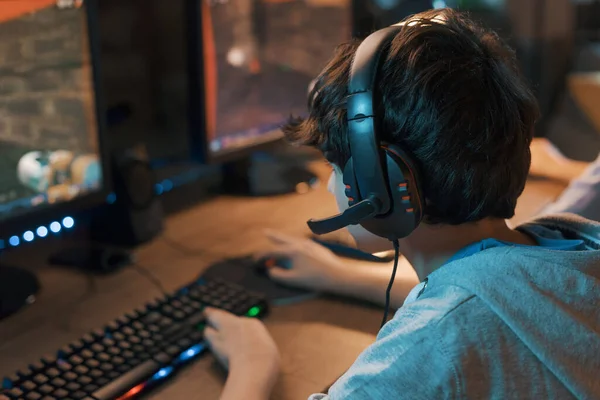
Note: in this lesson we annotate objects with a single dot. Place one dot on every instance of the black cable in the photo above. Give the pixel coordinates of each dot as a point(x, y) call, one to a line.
point(393, 277)
point(144, 272)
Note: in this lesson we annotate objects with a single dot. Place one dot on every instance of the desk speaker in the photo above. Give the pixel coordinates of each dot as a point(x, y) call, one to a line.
point(135, 215)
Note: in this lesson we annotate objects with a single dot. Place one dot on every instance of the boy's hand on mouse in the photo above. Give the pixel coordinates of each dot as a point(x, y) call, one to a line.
point(312, 265)
point(243, 344)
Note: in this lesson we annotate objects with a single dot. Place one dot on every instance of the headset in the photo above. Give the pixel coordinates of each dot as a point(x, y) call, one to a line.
point(382, 181)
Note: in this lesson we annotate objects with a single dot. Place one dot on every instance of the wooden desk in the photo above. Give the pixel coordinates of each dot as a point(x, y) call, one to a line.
point(319, 339)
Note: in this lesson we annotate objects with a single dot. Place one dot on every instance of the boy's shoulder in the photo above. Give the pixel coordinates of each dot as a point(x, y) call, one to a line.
point(442, 338)
point(411, 349)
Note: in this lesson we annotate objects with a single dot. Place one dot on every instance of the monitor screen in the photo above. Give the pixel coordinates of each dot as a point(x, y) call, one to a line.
point(49, 147)
point(260, 57)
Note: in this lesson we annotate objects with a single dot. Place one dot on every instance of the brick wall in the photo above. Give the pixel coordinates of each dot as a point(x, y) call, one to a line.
point(45, 97)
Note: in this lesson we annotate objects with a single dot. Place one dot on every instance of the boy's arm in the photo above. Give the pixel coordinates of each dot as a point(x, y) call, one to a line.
point(369, 281)
point(314, 267)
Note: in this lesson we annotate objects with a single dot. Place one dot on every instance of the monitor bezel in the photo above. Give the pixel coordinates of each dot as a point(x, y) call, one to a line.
point(197, 103)
point(44, 214)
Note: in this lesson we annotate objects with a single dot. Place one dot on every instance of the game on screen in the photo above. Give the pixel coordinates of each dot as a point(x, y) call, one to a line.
point(260, 57)
point(48, 134)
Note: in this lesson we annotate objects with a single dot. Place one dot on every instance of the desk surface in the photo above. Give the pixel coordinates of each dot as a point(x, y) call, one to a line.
point(318, 339)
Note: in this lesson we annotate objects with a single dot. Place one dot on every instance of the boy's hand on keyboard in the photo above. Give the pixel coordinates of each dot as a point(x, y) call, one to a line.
point(312, 266)
point(242, 343)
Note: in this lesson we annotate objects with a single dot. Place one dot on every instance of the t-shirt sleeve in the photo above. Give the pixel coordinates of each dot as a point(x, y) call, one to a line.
point(407, 361)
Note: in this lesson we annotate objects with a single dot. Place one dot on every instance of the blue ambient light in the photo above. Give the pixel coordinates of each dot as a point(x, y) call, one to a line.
point(55, 227)
point(68, 222)
point(42, 231)
point(28, 236)
point(14, 241)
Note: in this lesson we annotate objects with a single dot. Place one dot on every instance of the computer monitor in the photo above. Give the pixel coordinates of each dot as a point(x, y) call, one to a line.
point(252, 62)
point(50, 125)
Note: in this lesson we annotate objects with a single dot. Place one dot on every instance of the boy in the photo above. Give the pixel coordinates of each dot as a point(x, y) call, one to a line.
point(498, 313)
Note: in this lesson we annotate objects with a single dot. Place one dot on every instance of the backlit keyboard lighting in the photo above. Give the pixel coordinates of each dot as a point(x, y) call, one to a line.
point(254, 311)
point(191, 352)
point(133, 392)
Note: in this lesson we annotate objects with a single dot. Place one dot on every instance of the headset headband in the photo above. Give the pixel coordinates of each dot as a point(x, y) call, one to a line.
point(362, 134)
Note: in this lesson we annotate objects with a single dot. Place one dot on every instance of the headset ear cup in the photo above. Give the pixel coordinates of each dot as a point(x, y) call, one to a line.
point(405, 182)
point(351, 184)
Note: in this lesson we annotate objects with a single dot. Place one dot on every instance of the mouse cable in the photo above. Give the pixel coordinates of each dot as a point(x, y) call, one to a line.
point(393, 277)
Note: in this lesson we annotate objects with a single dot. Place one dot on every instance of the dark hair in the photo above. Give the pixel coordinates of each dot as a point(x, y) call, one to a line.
point(450, 94)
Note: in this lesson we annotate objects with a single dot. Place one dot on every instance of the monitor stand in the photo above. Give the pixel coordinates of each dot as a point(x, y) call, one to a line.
point(18, 288)
point(263, 175)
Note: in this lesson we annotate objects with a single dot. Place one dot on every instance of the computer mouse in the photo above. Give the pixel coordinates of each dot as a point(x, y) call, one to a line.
point(266, 263)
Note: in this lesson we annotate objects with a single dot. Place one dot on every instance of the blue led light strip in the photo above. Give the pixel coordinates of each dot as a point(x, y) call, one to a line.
point(42, 231)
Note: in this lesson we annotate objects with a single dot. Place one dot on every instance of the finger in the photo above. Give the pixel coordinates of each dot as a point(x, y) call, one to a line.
point(279, 252)
point(281, 274)
point(216, 317)
point(281, 238)
point(211, 335)
point(215, 344)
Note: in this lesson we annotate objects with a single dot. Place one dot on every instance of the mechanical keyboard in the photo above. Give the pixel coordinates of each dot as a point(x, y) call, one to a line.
point(135, 352)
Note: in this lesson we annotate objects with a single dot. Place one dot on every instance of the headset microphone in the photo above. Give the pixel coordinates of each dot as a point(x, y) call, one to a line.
point(351, 216)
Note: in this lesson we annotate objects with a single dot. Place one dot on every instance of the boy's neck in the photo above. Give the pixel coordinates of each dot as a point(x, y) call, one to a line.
point(430, 246)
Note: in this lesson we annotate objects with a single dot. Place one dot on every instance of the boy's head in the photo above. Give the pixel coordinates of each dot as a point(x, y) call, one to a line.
point(450, 94)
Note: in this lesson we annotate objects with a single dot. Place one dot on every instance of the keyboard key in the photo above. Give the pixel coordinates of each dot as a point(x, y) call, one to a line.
point(15, 392)
point(81, 369)
point(118, 360)
point(108, 342)
point(128, 331)
point(95, 373)
point(106, 367)
point(152, 317)
point(124, 345)
point(90, 388)
point(84, 380)
point(92, 363)
point(60, 393)
point(102, 381)
point(78, 395)
point(114, 374)
point(45, 389)
point(63, 365)
point(127, 381)
point(97, 347)
point(75, 360)
point(87, 338)
point(33, 396)
point(134, 340)
point(119, 336)
point(144, 334)
point(103, 357)
point(72, 386)
point(87, 353)
point(69, 376)
point(52, 372)
point(163, 358)
point(48, 359)
point(40, 379)
point(28, 385)
point(36, 366)
point(137, 325)
point(58, 382)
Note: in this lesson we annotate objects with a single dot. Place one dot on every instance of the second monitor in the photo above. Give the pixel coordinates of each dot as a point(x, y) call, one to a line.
point(252, 62)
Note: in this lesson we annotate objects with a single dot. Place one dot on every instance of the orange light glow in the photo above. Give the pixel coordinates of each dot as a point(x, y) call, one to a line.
point(132, 392)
